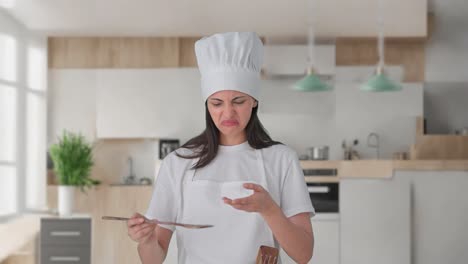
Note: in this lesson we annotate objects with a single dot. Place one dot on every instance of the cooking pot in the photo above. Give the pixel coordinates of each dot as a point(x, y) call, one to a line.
point(318, 153)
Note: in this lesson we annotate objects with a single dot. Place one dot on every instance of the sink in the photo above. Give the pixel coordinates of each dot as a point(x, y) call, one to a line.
point(127, 184)
point(145, 181)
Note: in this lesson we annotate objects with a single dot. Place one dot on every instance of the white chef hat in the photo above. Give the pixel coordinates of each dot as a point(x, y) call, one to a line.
point(230, 61)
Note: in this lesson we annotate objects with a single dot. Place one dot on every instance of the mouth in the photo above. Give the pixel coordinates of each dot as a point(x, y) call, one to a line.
point(230, 123)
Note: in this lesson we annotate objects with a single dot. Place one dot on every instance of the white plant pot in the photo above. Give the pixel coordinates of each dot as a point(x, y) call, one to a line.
point(66, 199)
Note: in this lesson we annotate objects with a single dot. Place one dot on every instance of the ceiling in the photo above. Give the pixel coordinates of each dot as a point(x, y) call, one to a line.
point(203, 17)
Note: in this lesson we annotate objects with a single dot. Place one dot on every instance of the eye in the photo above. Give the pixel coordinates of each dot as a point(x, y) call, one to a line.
point(216, 104)
point(239, 102)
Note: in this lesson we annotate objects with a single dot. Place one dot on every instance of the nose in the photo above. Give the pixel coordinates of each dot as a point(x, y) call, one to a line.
point(229, 110)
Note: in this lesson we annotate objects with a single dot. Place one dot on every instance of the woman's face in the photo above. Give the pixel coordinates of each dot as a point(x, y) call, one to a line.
point(231, 111)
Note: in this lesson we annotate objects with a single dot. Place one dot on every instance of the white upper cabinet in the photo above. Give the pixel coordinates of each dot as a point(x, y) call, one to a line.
point(152, 103)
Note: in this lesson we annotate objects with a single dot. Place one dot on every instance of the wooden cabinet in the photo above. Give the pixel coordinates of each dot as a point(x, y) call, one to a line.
point(121, 52)
point(110, 241)
point(113, 52)
point(438, 147)
point(65, 240)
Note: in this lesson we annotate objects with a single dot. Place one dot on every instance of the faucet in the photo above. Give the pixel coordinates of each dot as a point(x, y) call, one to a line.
point(375, 137)
point(130, 179)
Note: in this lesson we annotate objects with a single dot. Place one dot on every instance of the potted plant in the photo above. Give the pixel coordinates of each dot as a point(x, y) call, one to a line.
point(73, 160)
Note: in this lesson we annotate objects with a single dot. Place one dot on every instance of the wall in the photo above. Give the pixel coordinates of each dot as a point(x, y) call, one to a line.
point(445, 107)
point(446, 50)
point(446, 89)
point(299, 120)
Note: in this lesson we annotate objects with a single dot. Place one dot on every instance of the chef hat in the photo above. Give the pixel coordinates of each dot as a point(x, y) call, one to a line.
point(230, 61)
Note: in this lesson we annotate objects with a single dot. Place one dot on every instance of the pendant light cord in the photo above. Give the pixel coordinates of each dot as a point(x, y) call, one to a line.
point(380, 22)
point(310, 34)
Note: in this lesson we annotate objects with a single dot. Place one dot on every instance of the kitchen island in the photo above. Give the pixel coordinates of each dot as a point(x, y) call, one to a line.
point(400, 211)
point(391, 211)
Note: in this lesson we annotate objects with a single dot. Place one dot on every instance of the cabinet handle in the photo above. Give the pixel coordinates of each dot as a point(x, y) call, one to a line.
point(318, 189)
point(64, 258)
point(65, 233)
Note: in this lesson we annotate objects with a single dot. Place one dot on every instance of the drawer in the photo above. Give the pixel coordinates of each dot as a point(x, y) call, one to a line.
point(65, 255)
point(66, 232)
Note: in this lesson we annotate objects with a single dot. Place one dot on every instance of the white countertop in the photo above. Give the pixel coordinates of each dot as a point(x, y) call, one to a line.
point(326, 217)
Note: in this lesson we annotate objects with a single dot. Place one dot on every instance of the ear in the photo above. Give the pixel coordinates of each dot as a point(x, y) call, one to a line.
point(255, 103)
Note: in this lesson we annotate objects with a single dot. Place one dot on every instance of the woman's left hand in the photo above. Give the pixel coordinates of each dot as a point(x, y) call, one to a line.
point(260, 201)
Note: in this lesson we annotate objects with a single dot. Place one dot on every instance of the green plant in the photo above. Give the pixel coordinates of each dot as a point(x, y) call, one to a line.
point(73, 159)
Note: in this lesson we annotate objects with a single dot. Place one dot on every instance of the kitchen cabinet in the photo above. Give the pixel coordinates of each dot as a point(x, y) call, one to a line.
point(152, 103)
point(437, 147)
point(113, 52)
point(327, 240)
point(65, 240)
point(375, 221)
point(110, 241)
point(439, 215)
point(72, 103)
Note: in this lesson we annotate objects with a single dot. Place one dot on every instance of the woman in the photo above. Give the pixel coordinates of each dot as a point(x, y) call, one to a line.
point(232, 176)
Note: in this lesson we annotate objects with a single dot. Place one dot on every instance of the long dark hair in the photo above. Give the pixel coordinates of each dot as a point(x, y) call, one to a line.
point(205, 145)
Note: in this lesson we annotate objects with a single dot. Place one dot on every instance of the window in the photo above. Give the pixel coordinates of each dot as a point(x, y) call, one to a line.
point(8, 57)
point(35, 151)
point(7, 150)
point(7, 3)
point(8, 206)
point(8, 126)
point(23, 71)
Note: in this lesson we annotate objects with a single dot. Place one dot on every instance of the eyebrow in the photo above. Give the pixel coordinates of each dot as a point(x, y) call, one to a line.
point(237, 97)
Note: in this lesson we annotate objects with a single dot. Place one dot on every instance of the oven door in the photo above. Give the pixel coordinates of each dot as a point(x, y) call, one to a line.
point(324, 197)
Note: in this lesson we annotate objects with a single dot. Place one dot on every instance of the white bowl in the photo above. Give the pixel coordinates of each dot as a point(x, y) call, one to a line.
point(235, 190)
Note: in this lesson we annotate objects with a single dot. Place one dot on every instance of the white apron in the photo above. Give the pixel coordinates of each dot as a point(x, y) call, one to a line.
point(236, 236)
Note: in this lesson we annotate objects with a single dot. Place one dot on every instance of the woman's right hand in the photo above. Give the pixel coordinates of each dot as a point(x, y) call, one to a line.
point(140, 231)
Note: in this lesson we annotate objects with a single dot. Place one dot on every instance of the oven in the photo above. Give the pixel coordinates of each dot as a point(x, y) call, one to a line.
point(324, 196)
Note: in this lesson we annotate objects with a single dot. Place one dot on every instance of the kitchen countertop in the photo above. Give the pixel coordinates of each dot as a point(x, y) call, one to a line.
point(378, 168)
point(129, 185)
point(326, 217)
point(362, 169)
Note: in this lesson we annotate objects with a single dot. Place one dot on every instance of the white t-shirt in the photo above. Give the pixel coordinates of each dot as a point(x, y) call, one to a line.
point(286, 181)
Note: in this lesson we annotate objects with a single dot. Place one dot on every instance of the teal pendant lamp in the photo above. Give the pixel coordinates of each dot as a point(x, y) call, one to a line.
point(311, 82)
point(380, 82)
